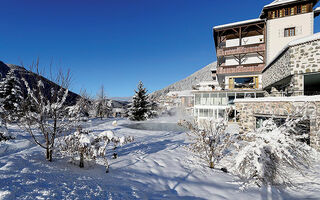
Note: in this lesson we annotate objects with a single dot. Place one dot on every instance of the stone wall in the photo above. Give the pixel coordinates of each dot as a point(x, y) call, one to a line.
point(279, 108)
point(295, 61)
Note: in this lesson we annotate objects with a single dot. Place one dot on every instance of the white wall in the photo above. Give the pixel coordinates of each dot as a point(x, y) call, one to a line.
point(248, 59)
point(233, 43)
point(252, 40)
point(230, 60)
point(275, 31)
point(252, 58)
point(245, 41)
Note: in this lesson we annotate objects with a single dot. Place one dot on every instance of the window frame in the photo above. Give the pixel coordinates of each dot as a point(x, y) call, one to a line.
point(290, 32)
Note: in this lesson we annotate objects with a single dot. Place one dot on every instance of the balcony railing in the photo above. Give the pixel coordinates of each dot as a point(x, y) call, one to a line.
point(240, 68)
point(253, 48)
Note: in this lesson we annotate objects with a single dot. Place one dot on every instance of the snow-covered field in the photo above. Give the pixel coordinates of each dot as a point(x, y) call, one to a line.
point(155, 166)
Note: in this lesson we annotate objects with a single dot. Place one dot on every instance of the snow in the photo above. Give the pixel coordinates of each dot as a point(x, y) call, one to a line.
point(310, 38)
point(155, 166)
point(279, 2)
point(108, 134)
point(286, 99)
point(183, 93)
point(239, 23)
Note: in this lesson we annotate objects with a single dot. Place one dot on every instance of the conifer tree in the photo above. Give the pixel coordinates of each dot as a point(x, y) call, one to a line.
point(103, 106)
point(140, 105)
point(11, 97)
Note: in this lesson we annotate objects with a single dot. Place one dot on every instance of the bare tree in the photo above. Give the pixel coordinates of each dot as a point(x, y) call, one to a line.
point(46, 112)
point(209, 139)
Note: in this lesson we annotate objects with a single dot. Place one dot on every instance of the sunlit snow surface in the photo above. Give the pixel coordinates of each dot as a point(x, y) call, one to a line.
point(155, 166)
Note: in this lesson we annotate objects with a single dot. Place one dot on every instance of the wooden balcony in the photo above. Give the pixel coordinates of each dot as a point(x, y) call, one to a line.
point(240, 68)
point(253, 48)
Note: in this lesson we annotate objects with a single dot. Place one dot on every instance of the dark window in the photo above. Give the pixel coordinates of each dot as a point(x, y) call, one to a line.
point(286, 12)
point(288, 32)
point(299, 9)
point(246, 82)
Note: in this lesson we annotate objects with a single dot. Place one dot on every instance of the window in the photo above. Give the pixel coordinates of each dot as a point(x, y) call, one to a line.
point(299, 9)
point(280, 13)
point(304, 8)
point(286, 11)
point(288, 32)
point(292, 11)
point(246, 82)
point(197, 99)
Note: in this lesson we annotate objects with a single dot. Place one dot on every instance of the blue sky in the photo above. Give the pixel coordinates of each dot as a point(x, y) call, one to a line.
point(118, 42)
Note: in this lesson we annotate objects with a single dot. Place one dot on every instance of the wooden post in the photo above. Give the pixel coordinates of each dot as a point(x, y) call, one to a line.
point(240, 37)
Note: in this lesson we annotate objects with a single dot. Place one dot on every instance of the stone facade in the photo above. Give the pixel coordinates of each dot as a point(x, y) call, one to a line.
point(293, 63)
point(276, 107)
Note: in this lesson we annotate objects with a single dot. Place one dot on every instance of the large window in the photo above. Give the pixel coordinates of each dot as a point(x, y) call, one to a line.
point(246, 82)
point(289, 32)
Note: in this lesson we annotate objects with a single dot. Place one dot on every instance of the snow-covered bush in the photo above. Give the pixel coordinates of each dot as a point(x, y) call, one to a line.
point(80, 111)
point(272, 152)
point(209, 140)
point(84, 145)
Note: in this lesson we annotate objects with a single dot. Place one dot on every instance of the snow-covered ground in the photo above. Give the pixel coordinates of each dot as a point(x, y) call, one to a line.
point(155, 166)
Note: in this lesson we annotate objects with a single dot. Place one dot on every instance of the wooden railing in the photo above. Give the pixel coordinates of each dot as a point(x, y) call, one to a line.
point(240, 68)
point(227, 51)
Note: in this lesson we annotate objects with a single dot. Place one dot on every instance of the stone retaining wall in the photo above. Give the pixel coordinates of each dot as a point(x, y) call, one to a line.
point(249, 110)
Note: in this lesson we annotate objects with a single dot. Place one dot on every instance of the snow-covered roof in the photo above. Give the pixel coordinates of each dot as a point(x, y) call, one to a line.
point(317, 10)
point(238, 23)
point(279, 2)
point(184, 93)
point(294, 43)
point(285, 99)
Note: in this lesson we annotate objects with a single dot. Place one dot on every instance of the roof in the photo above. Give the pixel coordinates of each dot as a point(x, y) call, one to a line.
point(316, 11)
point(276, 99)
point(238, 23)
point(183, 93)
point(291, 44)
point(278, 3)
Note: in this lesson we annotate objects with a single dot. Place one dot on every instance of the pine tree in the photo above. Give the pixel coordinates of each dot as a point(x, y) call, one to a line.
point(102, 104)
point(11, 96)
point(140, 105)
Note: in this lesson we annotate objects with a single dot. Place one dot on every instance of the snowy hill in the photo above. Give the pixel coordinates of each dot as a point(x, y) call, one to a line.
point(31, 78)
point(203, 74)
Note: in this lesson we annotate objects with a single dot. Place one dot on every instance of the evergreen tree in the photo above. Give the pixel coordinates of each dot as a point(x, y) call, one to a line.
point(11, 97)
point(140, 105)
point(103, 106)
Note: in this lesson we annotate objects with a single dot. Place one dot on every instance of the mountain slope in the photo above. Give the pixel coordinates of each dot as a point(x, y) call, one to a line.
point(32, 80)
point(203, 74)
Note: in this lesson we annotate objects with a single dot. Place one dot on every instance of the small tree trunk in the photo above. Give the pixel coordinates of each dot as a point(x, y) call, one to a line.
point(81, 164)
point(211, 165)
point(50, 155)
point(106, 164)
